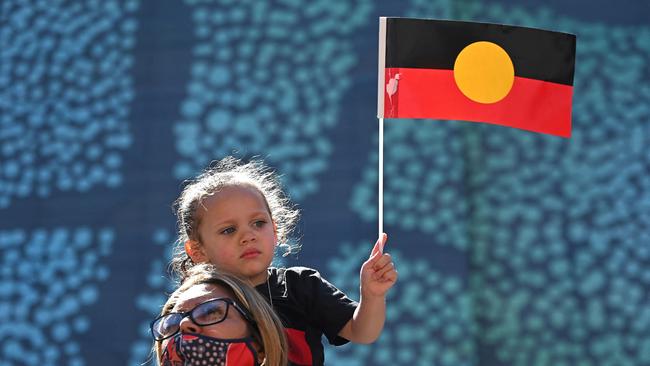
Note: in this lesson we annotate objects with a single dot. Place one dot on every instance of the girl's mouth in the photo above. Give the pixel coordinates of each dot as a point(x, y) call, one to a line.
point(250, 253)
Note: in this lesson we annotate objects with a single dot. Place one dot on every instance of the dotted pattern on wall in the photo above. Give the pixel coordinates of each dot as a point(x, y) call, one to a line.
point(47, 277)
point(424, 181)
point(267, 79)
point(65, 93)
point(556, 230)
point(562, 273)
point(429, 315)
point(150, 302)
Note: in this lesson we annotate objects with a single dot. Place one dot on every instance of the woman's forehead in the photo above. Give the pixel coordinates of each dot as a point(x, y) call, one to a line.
point(198, 294)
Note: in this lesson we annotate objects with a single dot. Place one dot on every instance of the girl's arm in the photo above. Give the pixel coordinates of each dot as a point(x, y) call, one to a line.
point(377, 276)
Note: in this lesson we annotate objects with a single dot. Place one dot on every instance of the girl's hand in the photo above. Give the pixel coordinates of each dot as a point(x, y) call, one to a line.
point(378, 273)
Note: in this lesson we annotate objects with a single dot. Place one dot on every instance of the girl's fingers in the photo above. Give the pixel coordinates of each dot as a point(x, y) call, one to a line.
point(390, 276)
point(381, 262)
point(379, 245)
point(385, 269)
point(372, 261)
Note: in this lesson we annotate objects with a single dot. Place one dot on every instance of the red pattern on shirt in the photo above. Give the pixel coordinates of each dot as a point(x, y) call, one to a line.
point(299, 351)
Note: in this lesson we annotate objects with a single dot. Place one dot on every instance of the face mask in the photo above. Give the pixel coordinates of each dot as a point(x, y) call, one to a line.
point(194, 349)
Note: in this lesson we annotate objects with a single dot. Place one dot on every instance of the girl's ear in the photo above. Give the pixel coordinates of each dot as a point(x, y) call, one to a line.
point(195, 251)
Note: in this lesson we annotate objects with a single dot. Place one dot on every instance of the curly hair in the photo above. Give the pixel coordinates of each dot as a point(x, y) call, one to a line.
point(230, 172)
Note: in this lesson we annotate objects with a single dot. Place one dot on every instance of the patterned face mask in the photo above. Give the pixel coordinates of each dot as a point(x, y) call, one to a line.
point(194, 349)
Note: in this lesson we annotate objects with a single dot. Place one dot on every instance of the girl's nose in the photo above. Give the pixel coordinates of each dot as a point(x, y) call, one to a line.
point(188, 326)
point(248, 237)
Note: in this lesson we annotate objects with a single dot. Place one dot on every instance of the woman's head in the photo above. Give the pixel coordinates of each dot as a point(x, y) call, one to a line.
point(201, 206)
point(211, 306)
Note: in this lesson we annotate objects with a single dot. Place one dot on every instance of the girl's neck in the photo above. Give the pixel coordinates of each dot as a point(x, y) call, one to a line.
point(259, 278)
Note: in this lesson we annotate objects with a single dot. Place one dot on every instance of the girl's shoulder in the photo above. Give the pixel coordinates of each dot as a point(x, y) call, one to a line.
point(296, 273)
point(298, 270)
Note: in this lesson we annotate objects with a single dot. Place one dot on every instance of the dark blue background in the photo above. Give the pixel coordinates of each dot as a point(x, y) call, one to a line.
point(513, 248)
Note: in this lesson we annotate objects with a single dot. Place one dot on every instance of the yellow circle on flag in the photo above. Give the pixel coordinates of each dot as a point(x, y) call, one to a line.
point(484, 72)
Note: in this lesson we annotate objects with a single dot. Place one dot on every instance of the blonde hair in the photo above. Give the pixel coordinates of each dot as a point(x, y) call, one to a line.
point(271, 332)
point(230, 172)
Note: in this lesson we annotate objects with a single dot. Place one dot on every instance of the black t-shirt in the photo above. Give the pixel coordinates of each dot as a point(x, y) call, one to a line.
point(309, 307)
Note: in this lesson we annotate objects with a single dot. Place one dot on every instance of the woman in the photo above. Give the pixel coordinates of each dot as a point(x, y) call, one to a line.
point(217, 319)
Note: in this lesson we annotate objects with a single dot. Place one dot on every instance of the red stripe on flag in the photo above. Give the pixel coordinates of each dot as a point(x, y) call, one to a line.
point(532, 105)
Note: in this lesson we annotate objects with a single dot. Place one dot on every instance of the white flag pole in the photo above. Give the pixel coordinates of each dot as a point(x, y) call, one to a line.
point(381, 178)
point(380, 115)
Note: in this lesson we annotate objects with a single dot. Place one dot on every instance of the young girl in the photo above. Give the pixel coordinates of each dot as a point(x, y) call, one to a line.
point(234, 216)
point(223, 318)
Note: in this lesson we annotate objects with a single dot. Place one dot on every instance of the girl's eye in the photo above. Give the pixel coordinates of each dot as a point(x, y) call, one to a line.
point(259, 223)
point(228, 230)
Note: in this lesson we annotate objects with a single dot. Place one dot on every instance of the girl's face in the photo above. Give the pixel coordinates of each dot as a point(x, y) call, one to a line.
point(236, 232)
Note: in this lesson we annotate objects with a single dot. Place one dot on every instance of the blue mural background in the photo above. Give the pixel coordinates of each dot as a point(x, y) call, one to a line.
point(513, 248)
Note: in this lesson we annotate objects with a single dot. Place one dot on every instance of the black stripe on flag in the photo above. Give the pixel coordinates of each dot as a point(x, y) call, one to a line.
point(435, 44)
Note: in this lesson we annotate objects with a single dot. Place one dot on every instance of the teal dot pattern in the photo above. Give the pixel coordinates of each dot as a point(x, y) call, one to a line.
point(437, 9)
point(561, 226)
point(557, 230)
point(149, 303)
point(267, 79)
point(47, 277)
point(429, 316)
point(424, 173)
point(65, 90)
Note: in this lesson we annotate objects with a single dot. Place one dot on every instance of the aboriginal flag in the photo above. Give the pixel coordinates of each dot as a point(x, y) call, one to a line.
point(506, 75)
